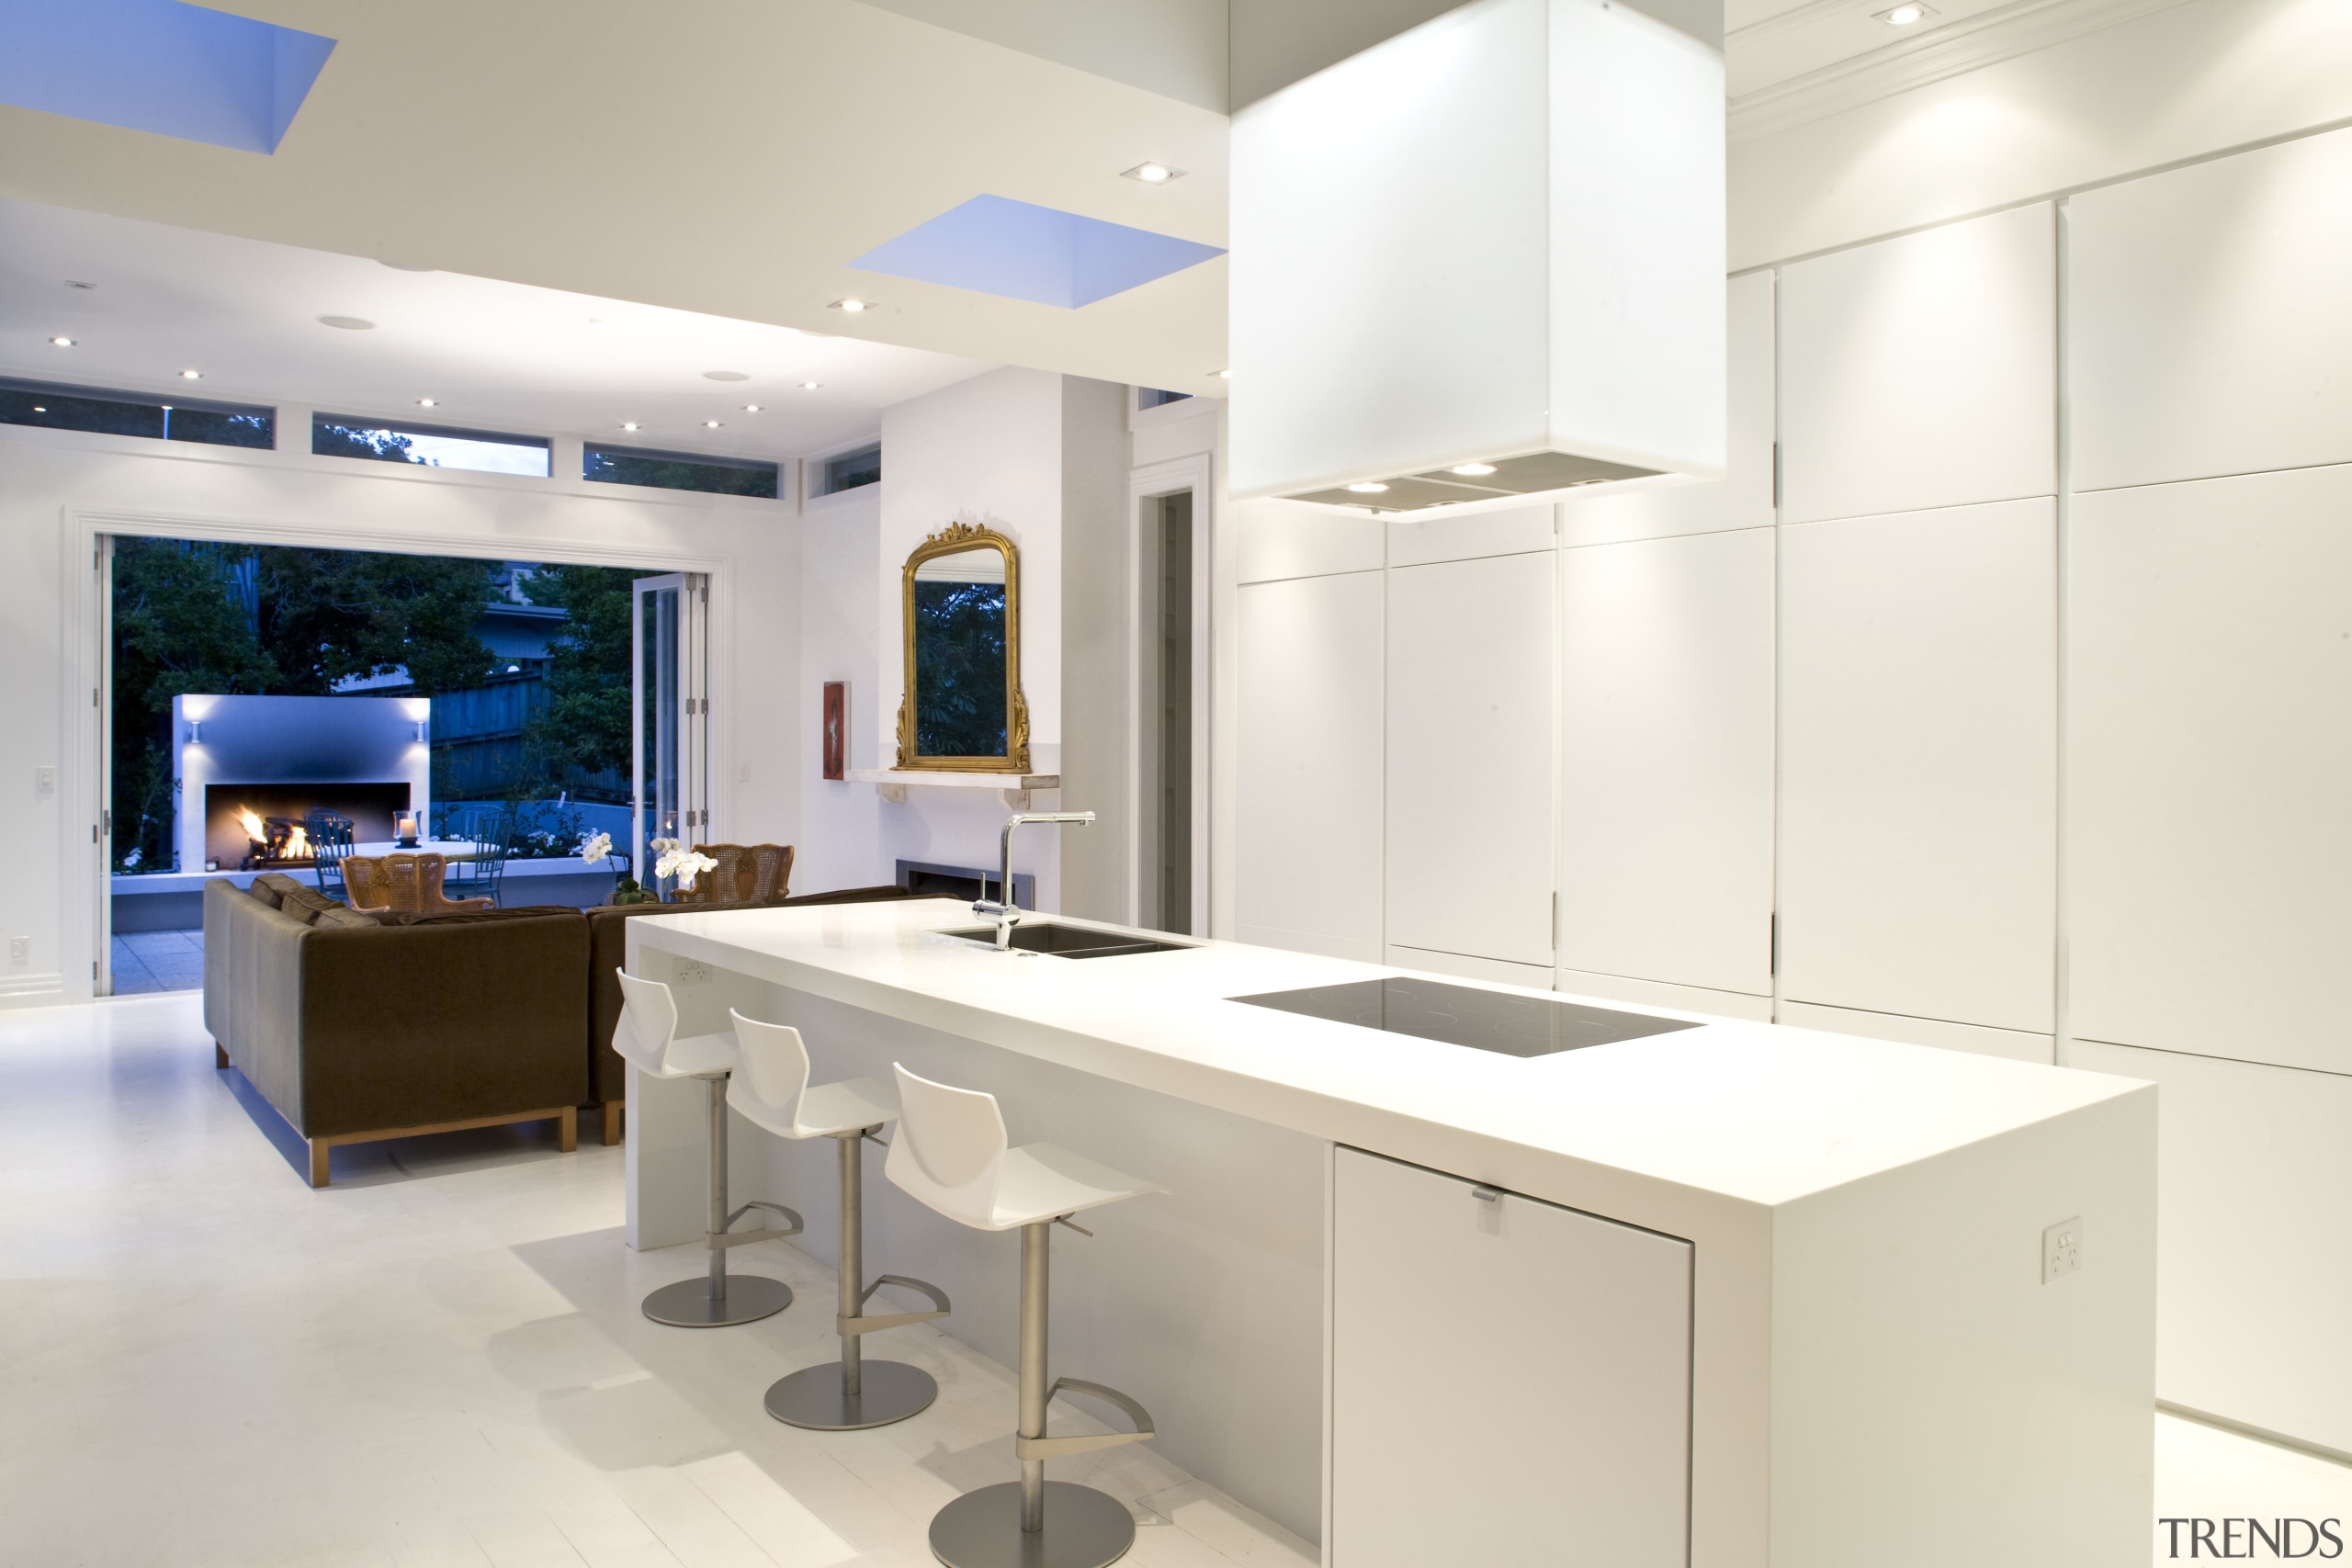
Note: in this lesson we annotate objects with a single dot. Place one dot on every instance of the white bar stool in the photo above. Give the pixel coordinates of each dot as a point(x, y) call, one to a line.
point(772, 1091)
point(951, 1154)
point(649, 1041)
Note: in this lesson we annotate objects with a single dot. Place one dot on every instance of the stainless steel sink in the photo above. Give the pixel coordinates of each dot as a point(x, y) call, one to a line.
point(1070, 942)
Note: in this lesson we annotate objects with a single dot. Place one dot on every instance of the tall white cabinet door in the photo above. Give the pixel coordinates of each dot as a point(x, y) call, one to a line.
point(2210, 768)
point(1922, 371)
point(2208, 324)
point(1469, 757)
point(1666, 760)
point(1510, 1381)
point(1918, 764)
point(1307, 839)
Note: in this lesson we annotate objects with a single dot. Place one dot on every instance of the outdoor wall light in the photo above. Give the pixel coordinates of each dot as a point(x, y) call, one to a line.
point(196, 732)
point(420, 732)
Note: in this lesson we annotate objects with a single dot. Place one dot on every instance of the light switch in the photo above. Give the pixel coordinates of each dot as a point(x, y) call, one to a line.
point(45, 779)
point(20, 952)
point(2062, 1249)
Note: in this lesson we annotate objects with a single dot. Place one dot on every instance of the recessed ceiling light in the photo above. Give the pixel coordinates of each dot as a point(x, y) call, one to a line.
point(427, 402)
point(852, 306)
point(1907, 14)
point(751, 408)
point(63, 341)
point(1152, 174)
point(77, 283)
point(1222, 374)
point(191, 375)
point(710, 424)
point(348, 323)
point(725, 376)
point(1368, 486)
point(631, 424)
point(811, 386)
point(1471, 470)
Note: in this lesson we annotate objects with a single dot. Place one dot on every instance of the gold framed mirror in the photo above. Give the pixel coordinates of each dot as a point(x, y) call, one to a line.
point(962, 710)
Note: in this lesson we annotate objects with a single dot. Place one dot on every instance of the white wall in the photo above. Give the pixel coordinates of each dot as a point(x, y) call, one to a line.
point(56, 485)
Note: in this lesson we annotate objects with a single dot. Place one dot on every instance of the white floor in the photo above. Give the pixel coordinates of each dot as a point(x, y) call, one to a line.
point(437, 1360)
point(440, 1359)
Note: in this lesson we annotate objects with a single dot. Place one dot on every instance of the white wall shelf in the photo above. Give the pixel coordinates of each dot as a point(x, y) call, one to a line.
point(1016, 788)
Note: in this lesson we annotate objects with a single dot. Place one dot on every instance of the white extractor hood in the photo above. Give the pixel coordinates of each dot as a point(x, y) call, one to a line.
point(1494, 240)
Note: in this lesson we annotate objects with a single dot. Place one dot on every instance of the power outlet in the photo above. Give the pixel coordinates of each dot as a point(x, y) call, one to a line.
point(688, 972)
point(20, 952)
point(2062, 1249)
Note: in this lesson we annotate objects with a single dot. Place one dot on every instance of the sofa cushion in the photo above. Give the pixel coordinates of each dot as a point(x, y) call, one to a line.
point(481, 917)
point(336, 915)
point(271, 886)
point(307, 902)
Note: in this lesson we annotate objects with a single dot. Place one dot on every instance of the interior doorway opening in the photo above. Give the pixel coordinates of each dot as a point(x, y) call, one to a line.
point(1168, 699)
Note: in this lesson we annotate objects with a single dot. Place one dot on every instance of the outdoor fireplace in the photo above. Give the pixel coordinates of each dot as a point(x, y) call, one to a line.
point(258, 827)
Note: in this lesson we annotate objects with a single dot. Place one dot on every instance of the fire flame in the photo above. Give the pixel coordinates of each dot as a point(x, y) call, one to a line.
point(297, 842)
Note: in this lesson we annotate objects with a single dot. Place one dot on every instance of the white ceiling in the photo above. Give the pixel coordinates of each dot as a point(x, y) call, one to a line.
point(726, 157)
point(491, 355)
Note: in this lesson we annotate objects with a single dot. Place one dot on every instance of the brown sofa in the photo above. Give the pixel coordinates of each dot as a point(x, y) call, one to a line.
point(609, 950)
point(357, 1027)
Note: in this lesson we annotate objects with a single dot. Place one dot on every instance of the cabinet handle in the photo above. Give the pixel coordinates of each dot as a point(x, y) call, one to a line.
point(1487, 1194)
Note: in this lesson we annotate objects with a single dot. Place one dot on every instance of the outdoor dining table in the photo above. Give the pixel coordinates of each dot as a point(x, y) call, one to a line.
point(451, 849)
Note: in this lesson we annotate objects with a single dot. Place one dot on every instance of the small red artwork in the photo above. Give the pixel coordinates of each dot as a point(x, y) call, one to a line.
point(836, 728)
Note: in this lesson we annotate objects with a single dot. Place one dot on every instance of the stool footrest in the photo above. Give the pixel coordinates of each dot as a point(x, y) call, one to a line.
point(870, 1323)
point(1053, 1448)
point(745, 1239)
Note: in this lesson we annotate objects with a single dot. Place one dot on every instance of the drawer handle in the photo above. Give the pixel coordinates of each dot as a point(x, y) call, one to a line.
point(1487, 1194)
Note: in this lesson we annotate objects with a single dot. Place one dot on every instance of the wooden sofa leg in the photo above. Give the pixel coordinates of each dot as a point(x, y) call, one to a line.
point(219, 1057)
point(612, 1122)
point(569, 1125)
point(318, 1162)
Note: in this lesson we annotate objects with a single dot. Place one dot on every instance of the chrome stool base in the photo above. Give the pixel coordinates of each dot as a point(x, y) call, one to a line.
point(887, 1391)
point(689, 1304)
point(1083, 1528)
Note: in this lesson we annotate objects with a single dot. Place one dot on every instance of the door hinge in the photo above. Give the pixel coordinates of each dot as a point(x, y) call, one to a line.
point(94, 697)
point(93, 832)
point(1772, 945)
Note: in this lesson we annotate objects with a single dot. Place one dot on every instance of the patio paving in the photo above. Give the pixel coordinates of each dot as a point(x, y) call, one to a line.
point(158, 961)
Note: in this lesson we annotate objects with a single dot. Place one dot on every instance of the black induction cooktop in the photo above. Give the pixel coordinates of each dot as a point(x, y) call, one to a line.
point(1464, 1015)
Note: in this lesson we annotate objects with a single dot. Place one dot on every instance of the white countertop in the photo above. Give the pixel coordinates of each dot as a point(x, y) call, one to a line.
point(1756, 1113)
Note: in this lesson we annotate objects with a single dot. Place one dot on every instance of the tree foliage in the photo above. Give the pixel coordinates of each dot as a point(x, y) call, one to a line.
point(585, 726)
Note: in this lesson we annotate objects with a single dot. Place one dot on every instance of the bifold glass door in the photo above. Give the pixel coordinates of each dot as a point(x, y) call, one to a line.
point(670, 715)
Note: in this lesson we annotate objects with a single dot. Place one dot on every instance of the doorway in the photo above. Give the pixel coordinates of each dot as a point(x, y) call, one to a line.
point(1171, 711)
point(506, 691)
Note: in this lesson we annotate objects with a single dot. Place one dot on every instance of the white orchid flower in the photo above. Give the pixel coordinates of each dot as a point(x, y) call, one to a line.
point(594, 847)
point(684, 865)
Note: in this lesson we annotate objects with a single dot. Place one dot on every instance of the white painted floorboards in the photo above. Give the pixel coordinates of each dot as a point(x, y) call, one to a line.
point(439, 1360)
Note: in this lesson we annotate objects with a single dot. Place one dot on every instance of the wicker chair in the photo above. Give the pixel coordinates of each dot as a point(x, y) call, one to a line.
point(745, 873)
point(403, 884)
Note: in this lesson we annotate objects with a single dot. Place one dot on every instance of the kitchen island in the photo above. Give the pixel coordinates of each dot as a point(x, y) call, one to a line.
point(1744, 1294)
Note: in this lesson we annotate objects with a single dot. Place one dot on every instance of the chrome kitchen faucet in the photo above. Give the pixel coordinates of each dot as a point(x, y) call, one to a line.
point(1001, 908)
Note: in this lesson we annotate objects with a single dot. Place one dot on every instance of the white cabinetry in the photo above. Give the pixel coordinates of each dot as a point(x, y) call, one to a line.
point(2209, 325)
point(2209, 767)
point(1308, 837)
point(1921, 371)
point(1469, 757)
point(2254, 1200)
point(1918, 764)
point(1510, 1381)
point(1666, 761)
